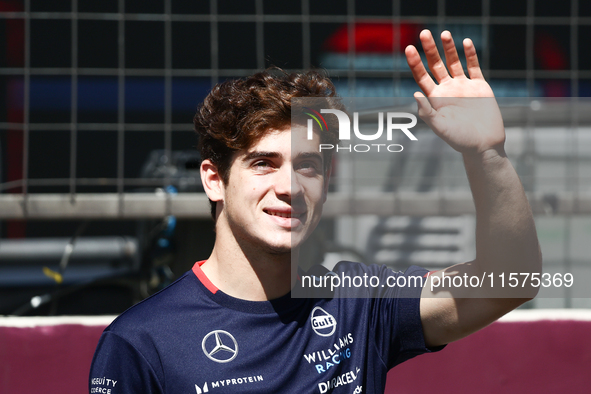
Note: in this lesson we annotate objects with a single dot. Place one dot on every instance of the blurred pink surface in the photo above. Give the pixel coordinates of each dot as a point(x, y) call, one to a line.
point(50, 359)
point(507, 357)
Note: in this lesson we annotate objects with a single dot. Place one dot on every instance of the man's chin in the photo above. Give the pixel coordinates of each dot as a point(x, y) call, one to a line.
point(285, 244)
point(287, 248)
point(280, 248)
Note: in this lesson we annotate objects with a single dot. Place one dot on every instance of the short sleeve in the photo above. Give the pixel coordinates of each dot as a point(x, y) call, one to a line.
point(409, 340)
point(119, 368)
point(395, 318)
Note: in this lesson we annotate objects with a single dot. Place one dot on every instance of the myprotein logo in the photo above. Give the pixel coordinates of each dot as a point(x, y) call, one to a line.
point(392, 124)
point(228, 382)
point(323, 323)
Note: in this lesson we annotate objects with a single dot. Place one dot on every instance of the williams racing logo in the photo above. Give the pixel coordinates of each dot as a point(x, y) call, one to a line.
point(323, 323)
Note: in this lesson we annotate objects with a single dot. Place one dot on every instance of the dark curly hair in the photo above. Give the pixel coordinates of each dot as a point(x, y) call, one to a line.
point(238, 113)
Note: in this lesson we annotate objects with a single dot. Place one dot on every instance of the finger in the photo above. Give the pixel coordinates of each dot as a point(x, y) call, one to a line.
point(425, 110)
point(451, 55)
point(436, 65)
point(417, 68)
point(472, 60)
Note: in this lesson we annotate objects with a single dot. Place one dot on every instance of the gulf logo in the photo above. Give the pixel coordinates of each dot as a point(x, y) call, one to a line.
point(323, 323)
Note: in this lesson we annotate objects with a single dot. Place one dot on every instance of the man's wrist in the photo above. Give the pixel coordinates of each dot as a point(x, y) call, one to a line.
point(494, 155)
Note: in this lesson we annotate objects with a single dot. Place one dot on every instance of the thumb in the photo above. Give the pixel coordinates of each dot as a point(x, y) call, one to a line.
point(426, 111)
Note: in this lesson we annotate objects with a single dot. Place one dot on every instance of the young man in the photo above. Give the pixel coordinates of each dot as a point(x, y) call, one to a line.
point(231, 325)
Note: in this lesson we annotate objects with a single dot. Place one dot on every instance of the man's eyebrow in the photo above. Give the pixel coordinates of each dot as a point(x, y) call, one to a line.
point(261, 154)
point(309, 155)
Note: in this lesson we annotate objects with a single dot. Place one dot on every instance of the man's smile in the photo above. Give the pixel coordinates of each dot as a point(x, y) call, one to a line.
point(286, 216)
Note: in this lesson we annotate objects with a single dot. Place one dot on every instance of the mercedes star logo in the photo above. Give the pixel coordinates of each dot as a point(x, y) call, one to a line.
point(215, 346)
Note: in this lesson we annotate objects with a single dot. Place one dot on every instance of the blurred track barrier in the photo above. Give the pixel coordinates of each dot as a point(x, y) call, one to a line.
point(537, 351)
point(527, 351)
point(48, 354)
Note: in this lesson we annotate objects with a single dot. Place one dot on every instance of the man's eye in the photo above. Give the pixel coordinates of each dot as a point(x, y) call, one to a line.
point(262, 166)
point(308, 167)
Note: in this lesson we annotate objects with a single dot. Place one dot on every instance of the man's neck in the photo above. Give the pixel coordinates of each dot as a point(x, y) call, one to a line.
point(249, 273)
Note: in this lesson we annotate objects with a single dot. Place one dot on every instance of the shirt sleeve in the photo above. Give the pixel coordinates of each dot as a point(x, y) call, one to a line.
point(409, 341)
point(119, 368)
point(396, 316)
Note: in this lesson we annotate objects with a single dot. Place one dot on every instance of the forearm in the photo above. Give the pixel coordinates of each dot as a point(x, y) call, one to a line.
point(465, 114)
point(506, 239)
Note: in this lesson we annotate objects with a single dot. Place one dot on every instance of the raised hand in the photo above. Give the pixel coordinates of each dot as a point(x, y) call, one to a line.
point(461, 110)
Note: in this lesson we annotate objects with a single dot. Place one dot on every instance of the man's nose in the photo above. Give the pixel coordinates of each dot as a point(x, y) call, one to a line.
point(287, 182)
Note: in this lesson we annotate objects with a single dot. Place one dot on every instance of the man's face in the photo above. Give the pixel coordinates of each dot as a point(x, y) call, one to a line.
point(275, 191)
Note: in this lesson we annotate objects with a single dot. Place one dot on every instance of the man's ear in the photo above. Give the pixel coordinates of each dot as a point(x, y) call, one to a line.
point(212, 181)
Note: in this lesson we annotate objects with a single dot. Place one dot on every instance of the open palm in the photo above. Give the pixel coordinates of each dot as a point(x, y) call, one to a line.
point(461, 110)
